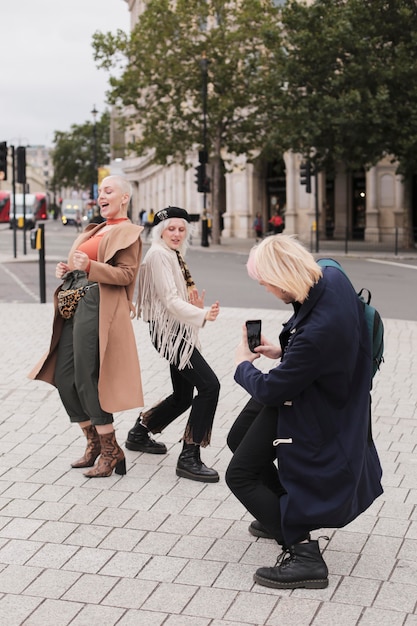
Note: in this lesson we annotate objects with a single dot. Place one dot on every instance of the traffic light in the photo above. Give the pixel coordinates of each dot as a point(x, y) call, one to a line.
point(3, 160)
point(305, 175)
point(200, 176)
point(21, 164)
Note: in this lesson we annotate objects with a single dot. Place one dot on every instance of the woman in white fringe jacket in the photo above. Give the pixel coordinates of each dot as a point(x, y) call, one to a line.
point(171, 304)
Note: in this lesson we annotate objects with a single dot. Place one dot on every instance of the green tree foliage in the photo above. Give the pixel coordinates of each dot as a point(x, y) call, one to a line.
point(73, 154)
point(350, 82)
point(160, 78)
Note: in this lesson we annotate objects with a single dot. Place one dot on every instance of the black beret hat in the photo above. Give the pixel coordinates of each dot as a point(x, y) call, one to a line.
point(171, 211)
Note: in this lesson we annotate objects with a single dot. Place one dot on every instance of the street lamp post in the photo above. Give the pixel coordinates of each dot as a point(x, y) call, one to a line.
point(204, 154)
point(94, 178)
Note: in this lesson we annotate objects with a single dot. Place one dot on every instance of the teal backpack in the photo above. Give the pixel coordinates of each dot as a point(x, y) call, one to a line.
point(373, 318)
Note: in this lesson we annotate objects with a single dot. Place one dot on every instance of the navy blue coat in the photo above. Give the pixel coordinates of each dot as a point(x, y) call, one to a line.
point(327, 460)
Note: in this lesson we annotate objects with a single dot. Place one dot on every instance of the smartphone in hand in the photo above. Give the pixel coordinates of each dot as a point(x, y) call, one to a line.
point(253, 328)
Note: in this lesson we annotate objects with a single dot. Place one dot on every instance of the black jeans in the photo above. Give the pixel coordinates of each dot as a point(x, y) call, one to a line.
point(252, 475)
point(203, 405)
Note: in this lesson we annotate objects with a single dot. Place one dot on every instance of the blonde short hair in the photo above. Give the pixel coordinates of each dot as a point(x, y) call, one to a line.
point(282, 261)
point(158, 229)
point(123, 184)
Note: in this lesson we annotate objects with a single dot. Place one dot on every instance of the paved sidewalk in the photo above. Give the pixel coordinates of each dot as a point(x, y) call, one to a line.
point(151, 549)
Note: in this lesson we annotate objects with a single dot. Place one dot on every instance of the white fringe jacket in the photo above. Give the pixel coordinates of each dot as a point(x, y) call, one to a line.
point(163, 302)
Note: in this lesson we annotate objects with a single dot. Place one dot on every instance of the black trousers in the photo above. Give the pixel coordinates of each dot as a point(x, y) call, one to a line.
point(252, 475)
point(203, 406)
point(77, 366)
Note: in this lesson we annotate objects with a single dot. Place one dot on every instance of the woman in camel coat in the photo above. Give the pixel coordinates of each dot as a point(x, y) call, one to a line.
point(92, 358)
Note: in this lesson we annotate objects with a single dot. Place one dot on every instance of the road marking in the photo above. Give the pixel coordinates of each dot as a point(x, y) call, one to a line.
point(19, 282)
point(410, 267)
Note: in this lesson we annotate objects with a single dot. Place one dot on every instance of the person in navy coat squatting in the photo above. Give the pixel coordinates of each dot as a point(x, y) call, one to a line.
point(311, 411)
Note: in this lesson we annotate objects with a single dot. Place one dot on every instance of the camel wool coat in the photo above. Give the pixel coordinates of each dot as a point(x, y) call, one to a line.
point(116, 269)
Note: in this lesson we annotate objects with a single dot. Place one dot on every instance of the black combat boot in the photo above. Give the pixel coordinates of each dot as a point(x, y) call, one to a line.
point(139, 439)
point(301, 565)
point(190, 465)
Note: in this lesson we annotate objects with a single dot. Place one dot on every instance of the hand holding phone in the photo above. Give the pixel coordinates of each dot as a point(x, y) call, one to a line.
point(253, 328)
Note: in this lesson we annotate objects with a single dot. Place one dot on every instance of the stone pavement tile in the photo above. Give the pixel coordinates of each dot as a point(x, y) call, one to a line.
point(90, 615)
point(381, 544)
point(109, 498)
point(81, 513)
point(397, 510)
point(200, 572)
point(230, 509)
point(209, 527)
point(51, 511)
point(49, 555)
point(405, 571)
point(412, 531)
point(48, 611)
point(331, 614)
point(209, 602)
point(192, 547)
point(14, 609)
point(15, 578)
point(339, 562)
point(21, 490)
point(168, 504)
point(228, 551)
point(293, 611)
point(148, 618)
point(201, 507)
point(411, 620)
point(244, 608)
point(20, 528)
point(379, 617)
point(183, 620)
point(144, 502)
point(125, 564)
point(397, 597)
point(122, 539)
point(347, 541)
point(260, 553)
point(88, 560)
point(19, 508)
point(390, 527)
point(235, 576)
point(90, 588)
point(147, 520)
point(50, 493)
point(132, 593)
point(77, 495)
point(47, 476)
point(54, 532)
point(408, 550)
point(183, 524)
point(52, 583)
point(18, 552)
point(164, 569)
point(157, 543)
point(88, 535)
point(171, 598)
point(378, 566)
point(356, 591)
point(114, 517)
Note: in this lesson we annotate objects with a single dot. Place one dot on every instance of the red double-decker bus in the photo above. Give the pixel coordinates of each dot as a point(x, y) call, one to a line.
point(4, 206)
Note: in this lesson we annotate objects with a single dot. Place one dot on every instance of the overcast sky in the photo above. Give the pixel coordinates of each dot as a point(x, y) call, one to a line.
point(48, 78)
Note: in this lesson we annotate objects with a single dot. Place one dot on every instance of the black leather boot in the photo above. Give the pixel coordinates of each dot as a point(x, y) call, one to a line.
point(139, 439)
point(190, 465)
point(257, 530)
point(301, 565)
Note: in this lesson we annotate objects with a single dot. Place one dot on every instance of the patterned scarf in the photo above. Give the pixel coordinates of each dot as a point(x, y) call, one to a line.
point(186, 272)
